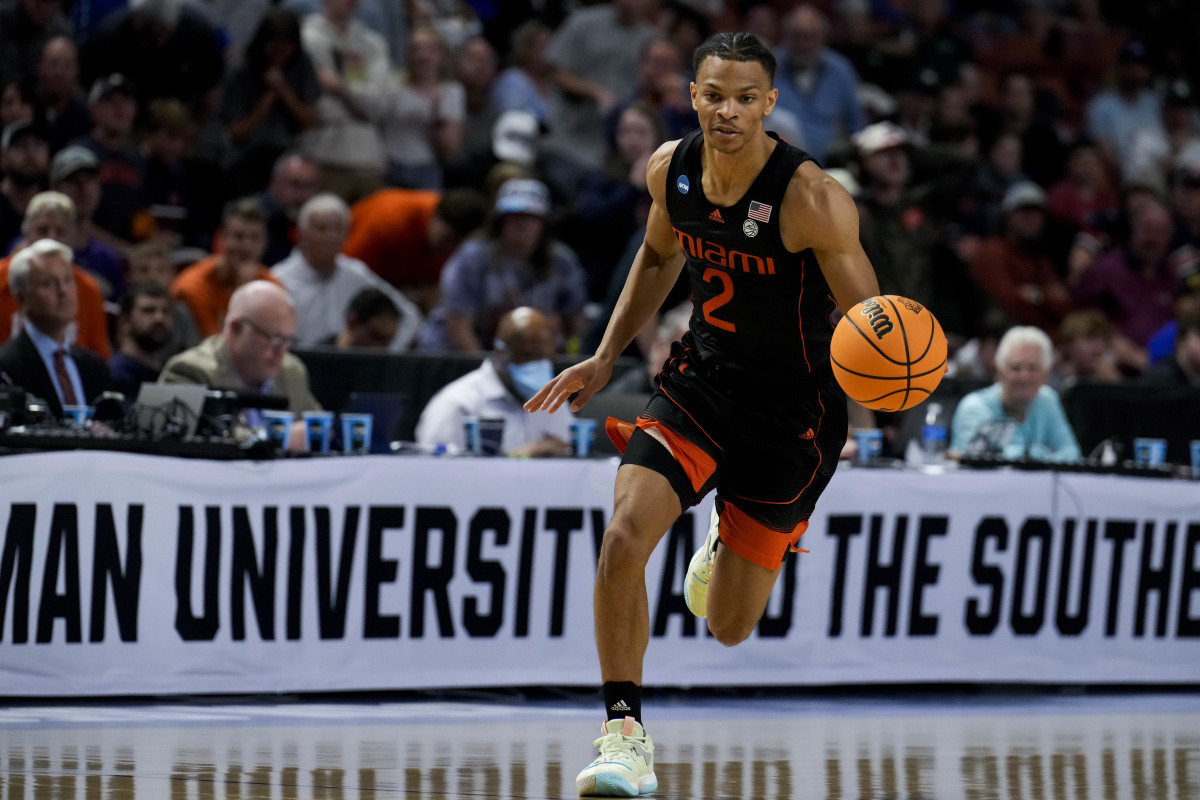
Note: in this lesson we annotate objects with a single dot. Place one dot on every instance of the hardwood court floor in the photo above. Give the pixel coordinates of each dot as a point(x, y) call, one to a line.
point(966, 745)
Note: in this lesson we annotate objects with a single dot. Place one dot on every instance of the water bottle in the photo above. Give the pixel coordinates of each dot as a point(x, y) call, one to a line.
point(933, 435)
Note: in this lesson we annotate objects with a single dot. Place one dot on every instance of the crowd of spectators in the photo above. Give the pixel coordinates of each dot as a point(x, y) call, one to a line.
point(1033, 163)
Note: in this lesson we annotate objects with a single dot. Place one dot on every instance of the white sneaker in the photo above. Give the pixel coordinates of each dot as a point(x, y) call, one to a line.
point(625, 767)
point(695, 585)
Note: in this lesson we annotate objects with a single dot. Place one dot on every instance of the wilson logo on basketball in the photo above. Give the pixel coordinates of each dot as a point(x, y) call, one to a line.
point(716, 215)
point(880, 323)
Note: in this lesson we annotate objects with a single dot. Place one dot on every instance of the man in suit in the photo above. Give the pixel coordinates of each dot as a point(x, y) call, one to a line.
point(40, 359)
point(251, 352)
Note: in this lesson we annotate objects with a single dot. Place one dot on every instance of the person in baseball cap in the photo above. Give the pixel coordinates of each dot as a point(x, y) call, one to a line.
point(24, 162)
point(71, 160)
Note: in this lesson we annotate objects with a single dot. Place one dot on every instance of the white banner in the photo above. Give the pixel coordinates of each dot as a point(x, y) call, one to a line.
point(124, 574)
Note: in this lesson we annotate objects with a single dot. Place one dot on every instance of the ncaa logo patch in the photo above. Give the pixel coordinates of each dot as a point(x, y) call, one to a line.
point(682, 184)
point(750, 228)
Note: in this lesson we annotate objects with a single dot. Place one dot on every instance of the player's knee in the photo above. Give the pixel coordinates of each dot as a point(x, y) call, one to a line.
point(729, 632)
point(622, 548)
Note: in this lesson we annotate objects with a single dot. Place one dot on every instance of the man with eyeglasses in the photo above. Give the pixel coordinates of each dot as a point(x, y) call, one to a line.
point(250, 354)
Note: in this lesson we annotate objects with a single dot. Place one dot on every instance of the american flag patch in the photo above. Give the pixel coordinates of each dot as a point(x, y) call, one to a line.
point(760, 211)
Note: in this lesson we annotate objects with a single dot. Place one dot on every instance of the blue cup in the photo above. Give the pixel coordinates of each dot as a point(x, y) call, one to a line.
point(1194, 450)
point(77, 416)
point(484, 435)
point(278, 427)
point(1149, 452)
point(870, 445)
point(317, 428)
point(356, 433)
point(582, 433)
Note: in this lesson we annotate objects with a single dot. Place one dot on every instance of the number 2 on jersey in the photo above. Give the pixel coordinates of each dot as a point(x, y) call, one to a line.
point(713, 303)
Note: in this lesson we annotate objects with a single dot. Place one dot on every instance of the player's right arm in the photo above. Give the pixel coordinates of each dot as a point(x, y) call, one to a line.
point(655, 269)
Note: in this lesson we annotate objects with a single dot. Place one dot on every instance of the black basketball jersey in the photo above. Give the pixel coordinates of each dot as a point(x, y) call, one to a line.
point(757, 306)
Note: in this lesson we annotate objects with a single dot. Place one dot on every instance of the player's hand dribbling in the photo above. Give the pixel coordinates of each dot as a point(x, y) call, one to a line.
point(586, 378)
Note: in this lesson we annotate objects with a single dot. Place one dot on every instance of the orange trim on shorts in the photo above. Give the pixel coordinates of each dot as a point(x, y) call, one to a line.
point(811, 478)
point(619, 432)
point(754, 541)
point(697, 464)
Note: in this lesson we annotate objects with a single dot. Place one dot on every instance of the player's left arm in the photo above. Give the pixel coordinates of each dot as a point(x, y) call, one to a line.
point(820, 214)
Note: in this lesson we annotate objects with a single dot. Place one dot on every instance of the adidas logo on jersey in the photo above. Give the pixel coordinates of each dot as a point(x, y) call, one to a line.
point(716, 215)
point(808, 435)
point(619, 706)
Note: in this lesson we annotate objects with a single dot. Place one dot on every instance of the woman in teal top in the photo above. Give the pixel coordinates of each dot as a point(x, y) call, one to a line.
point(1019, 416)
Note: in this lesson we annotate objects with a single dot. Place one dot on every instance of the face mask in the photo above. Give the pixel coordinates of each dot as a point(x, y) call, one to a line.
point(531, 376)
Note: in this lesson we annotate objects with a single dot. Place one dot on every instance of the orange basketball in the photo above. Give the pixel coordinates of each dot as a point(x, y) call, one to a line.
point(888, 353)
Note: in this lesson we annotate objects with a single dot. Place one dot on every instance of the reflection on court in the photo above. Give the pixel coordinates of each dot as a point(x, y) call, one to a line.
point(903, 746)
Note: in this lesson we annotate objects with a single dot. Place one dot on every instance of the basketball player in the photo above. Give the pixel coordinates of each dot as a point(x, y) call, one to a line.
point(746, 403)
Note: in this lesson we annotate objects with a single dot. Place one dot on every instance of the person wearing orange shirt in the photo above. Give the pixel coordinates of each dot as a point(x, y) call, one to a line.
point(406, 235)
point(51, 215)
point(207, 285)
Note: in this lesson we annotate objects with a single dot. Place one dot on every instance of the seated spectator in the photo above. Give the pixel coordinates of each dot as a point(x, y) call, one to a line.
point(1113, 115)
point(612, 205)
point(175, 182)
point(1085, 350)
point(25, 25)
point(816, 83)
point(1182, 370)
point(1019, 416)
point(150, 262)
point(75, 171)
point(475, 69)
point(207, 285)
point(517, 368)
point(250, 354)
point(18, 102)
point(372, 320)
point(1084, 198)
point(123, 210)
point(514, 263)
point(322, 279)
point(268, 100)
point(59, 92)
point(295, 179)
point(143, 330)
point(166, 48)
point(527, 84)
point(1134, 284)
point(405, 236)
point(41, 359)
point(51, 215)
point(25, 164)
point(1014, 268)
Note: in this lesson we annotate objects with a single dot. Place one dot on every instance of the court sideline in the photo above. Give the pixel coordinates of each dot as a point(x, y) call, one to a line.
point(967, 744)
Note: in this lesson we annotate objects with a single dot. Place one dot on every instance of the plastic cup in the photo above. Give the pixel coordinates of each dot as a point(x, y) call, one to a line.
point(870, 445)
point(1148, 452)
point(491, 435)
point(356, 432)
point(317, 428)
point(278, 427)
point(582, 432)
point(77, 416)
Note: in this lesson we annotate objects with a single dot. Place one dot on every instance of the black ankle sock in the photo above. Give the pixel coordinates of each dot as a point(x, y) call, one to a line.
point(622, 699)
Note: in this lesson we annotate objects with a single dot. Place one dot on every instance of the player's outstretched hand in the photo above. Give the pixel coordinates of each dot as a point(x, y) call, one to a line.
point(586, 378)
